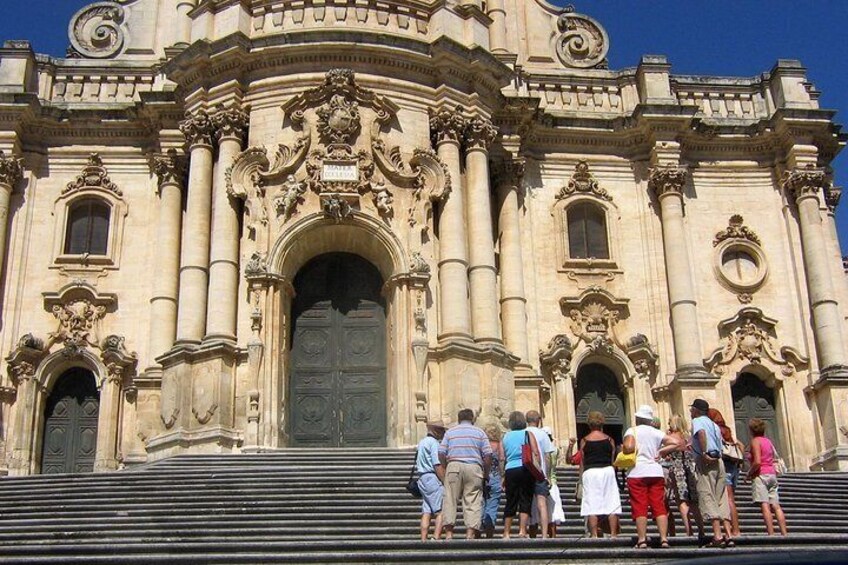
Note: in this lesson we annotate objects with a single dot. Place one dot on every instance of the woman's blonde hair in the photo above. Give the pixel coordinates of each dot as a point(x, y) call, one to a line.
point(595, 420)
point(678, 424)
point(493, 432)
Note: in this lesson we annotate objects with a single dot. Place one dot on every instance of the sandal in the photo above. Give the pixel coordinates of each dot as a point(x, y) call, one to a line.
point(664, 544)
point(641, 544)
point(716, 542)
point(728, 542)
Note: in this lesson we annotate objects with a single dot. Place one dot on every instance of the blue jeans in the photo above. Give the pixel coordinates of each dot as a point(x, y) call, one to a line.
point(490, 508)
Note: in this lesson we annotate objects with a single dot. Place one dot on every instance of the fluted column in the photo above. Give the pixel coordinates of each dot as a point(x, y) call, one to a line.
point(170, 171)
point(513, 301)
point(223, 301)
point(804, 185)
point(194, 264)
point(447, 127)
point(482, 275)
point(667, 183)
point(11, 172)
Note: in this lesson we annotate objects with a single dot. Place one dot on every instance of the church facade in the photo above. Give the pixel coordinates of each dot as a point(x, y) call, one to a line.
point(242, 225)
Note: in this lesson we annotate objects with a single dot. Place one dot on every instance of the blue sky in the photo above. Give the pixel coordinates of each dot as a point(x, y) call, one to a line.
point(719, 37)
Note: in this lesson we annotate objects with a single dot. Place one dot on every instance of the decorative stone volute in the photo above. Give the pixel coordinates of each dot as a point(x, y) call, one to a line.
point(832, 195)
point(11, 170)
point(582, 182)
point(583, 43)
point(120, 363)
point(667, 180)
point(94, 175)
point(198, 128)
point(25, 358)
point(555, 360)
point(95, 31)
point(230, 123)
point(169, 168)
point(736, 230)
point(805, 183)
point(447, 125)
point(480, 133)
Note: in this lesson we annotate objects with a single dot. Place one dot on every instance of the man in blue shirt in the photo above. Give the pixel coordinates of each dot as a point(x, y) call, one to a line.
point(709, 469)
point(467, 456)
point(431, 475)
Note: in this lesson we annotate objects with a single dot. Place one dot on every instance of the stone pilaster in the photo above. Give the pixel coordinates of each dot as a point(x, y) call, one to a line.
point(11, 173)
point(170, 173)
point(667, 183)
point(482, 274)
point(194, 264)
point(447, 127)
point(513, 301)
point(231, 125)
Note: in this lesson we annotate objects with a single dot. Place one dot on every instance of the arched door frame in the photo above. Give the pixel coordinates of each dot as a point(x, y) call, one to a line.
point(367, 237)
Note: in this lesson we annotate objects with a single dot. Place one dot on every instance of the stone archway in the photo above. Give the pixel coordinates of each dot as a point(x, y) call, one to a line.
point(598, 389)
point(337, 383)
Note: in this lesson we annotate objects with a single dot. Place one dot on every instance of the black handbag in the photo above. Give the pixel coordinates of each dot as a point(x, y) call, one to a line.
point(412, 483)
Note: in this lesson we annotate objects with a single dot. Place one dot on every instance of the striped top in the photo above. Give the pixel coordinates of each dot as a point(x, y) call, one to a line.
point(465, 443)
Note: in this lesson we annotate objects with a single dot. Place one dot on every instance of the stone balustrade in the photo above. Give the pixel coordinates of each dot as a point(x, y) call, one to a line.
point(124, 88)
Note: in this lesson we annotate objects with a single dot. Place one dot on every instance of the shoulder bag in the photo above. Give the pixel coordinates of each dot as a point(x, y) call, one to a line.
point(780, 467)
point(530, 457)
point(626, 461)
point(731, 451)
point(412, 483)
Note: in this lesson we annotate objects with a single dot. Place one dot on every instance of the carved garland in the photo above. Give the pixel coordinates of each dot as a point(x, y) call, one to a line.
point(736, 230)
point(94, 175)
point(582, 182)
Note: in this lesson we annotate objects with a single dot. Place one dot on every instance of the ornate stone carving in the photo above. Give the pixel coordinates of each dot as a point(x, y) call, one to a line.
point(256, 266)
point(480, 133)
point(667, 180)
point(447, 125)
point(230, 122)
point(582, 182)
point(94, 175)
point(805, 182)
point(11, 169)
point(169, 168)
point(418, 264)
point(556, 359)
point(642, 355)
point(510, 171)
point(198, 128)
point(594, 316)
point(24, 360)
point(582, 43)
point(382, 199)
point(356, 168)
point(120, 363)
point(339, 120)
point(95, 31)
point(736, 230)
point(832, 196)
point(288, 197)
point(748, 338)
point(77, 321)
point(336, 207)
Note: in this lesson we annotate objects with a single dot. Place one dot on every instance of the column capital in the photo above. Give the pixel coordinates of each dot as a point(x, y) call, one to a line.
point(480, 133)
point(447, 125)
point(11, 169)
point(198, 128)
point(509, 171)
point(230, 123)
point(832, 195)
point(805, 182)
point(667, 180)
point(169, 168)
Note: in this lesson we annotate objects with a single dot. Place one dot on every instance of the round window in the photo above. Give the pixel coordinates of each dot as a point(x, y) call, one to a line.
point(740, 266)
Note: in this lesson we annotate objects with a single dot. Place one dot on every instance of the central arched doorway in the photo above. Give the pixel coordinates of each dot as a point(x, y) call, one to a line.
point(753, 399)
point(598, 390)
point(70, 424)
point(337, 387)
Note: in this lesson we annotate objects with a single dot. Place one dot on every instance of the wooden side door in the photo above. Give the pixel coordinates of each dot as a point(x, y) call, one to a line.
point(70, 424)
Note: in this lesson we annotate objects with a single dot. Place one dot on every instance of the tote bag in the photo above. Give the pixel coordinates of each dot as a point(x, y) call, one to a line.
point(530, 458)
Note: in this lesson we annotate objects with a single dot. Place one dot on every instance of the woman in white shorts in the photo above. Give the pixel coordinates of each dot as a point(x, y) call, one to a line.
point(764, 476)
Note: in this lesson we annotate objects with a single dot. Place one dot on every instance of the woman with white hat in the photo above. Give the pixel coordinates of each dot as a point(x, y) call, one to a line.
point(646, 481)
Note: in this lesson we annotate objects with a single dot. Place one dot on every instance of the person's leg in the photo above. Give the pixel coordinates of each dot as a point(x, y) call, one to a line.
point(641, 529)
point(767, 517)
point(683, 508)
point(662, 526)
point(437, 529)
point(542, 505)
point(507, 526)
point(593, 526)
point(735, 531)
point(716, 529)
point(614, 526)
point(781, 519)
point(452, 490)
point(425, 526)
point(523, 520)
point(472, 499)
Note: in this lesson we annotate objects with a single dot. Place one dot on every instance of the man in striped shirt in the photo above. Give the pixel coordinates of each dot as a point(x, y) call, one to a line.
point(467, 456)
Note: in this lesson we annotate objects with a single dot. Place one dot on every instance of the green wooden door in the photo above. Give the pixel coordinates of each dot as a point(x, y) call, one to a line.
point(337, 389)
point(70, 424)
point(598, 390)
point(753, 399)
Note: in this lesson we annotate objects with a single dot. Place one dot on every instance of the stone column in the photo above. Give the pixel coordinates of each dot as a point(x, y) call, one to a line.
point(513, 301)
point(223, 301)
point(194, 264)
point(169, 170)
point(11, 172)
point(497, 30)
point(23, 424)
point(447, 127)
point(482, 274)
point(804, 185)
point(105, 457)
point(667, 182)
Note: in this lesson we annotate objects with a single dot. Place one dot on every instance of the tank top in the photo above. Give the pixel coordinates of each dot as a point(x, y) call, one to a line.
point(597, 453)
point(766, 455)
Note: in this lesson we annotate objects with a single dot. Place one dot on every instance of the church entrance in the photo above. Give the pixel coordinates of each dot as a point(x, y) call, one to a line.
point(70, 424)
point(337, 389)
point(598, 390)
point(753, 399)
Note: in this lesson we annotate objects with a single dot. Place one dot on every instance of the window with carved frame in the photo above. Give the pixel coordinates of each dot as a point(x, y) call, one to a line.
point(87, 229)
point(587, 231)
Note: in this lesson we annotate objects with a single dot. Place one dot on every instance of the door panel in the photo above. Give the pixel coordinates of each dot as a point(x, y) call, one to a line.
point(598, 390)
point(753, 399)
point(337, 387)
point(70, 424)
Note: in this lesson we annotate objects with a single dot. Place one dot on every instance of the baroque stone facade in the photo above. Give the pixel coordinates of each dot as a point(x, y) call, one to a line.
point(263, 224)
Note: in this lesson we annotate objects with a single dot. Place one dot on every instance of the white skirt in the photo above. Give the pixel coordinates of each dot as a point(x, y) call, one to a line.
point(600, 493)
point(556, 515)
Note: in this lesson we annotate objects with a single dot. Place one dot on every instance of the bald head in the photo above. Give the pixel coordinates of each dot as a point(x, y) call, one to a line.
point(533, 418)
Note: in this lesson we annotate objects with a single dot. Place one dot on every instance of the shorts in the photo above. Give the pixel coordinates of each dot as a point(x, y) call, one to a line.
point(519, 491)
point(731, 473)
point(542, 488)
point(645, 493)
point(764, 489)
point(432, 493)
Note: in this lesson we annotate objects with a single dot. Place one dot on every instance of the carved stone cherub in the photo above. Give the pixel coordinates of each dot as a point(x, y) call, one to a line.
point(382, 198)
point(287, 198)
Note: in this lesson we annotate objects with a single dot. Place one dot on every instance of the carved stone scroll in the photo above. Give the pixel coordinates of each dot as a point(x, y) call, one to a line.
point(667, 180)
point(556, 359)
point(169, 168)
point(582, 43)
point(96, 31)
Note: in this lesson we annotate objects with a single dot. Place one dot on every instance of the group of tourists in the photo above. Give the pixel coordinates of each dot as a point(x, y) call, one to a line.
point(668, 472)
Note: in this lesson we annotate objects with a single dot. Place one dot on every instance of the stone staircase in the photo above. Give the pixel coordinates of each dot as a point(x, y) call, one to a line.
point(345, 505)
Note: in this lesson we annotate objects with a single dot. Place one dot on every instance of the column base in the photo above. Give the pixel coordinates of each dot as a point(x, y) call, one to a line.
point(219, 338)
point(449, 337)
point(212, 439)
point(835, 459)
point(691, 382)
